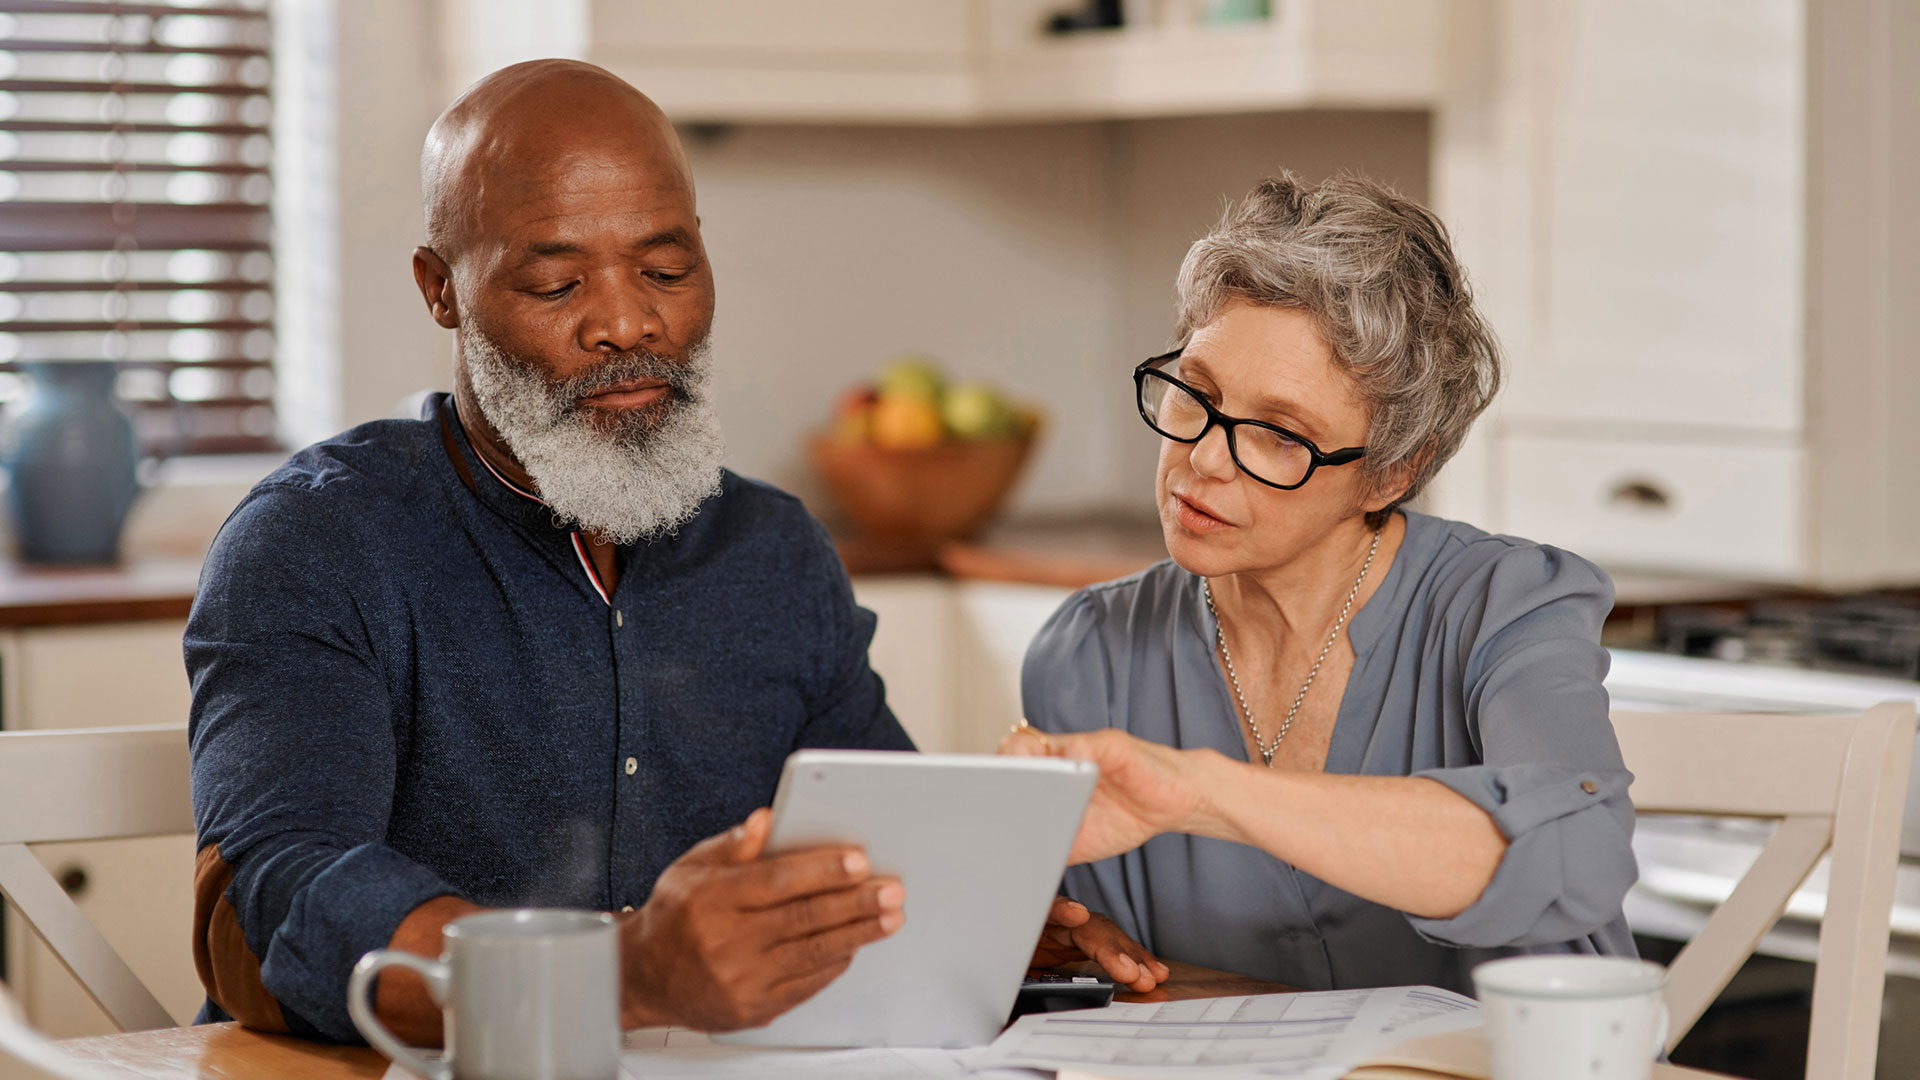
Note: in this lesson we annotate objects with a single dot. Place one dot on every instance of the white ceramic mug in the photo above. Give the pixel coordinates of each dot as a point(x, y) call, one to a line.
point(1590, 1017)
point(528, 994)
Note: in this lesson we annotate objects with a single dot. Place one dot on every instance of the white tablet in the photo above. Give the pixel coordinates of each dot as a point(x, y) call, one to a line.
point(978, 841)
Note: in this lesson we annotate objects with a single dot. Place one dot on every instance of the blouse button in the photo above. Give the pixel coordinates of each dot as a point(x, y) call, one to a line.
point(633, 766)
point(1587, 786)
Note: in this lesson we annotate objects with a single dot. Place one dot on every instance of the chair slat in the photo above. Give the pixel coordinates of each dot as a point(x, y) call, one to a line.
point(1749, 764)
point(77, 943)
point(1709, 961)
point(1850, 978)
point(94, 784)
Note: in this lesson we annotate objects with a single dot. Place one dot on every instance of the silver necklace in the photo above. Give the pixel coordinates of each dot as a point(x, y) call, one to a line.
point(1220, 636)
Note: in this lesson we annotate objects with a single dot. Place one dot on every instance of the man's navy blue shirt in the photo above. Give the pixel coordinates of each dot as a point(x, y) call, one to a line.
point(407, 684)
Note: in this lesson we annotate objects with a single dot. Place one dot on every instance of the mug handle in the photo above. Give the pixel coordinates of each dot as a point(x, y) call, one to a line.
point(360, 1007)
point(1660, 1036)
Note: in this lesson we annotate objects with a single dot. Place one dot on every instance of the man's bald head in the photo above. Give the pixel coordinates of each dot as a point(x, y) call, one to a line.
point(515, 128)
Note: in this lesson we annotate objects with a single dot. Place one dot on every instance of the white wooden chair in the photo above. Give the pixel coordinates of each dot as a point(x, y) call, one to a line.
point(94, 784)
point(1835, 783)
point(26, 1054)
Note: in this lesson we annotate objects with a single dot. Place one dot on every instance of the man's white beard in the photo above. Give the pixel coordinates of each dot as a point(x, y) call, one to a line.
point(643, 475)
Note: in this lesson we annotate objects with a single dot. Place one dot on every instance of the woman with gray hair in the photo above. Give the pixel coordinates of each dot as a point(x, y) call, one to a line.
point(1341, 744)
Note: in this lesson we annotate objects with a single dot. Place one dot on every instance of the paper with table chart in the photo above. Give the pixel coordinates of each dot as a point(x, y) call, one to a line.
point(1304, 1036)
point(678, 1054)
point(757, 1063)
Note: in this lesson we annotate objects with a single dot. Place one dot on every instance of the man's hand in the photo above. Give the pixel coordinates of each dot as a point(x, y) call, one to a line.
point(730, 939)
point(1073, 933)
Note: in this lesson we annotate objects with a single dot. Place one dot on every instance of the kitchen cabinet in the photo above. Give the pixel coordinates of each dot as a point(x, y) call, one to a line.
point(950, 652)
point(982, 61)
point(1702, 276)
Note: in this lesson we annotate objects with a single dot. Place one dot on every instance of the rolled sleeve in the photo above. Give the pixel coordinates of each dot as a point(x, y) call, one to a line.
point(1568, 863)
point(342, 913)
point(295, 753)
point(1550, 773)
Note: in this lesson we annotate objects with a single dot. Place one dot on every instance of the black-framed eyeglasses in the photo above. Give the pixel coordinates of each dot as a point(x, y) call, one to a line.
point(1267, 452)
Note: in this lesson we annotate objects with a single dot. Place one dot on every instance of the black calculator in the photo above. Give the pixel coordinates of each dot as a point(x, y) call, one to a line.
point(1055, 991)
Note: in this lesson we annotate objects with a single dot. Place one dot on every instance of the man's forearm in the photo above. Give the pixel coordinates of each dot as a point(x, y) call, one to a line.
point(400, 998)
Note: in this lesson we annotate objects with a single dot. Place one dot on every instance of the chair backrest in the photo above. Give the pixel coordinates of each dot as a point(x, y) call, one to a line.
point(1835, 783)
point(94, 784)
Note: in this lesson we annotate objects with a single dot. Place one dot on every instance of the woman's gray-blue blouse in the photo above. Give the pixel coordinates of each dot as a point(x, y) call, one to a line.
point(1476, 663)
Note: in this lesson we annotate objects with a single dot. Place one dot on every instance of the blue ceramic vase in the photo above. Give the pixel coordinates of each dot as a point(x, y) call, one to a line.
point(72, 461)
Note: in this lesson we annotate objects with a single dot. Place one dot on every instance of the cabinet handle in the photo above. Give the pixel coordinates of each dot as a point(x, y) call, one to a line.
point(1639, 495)
point(74, 880)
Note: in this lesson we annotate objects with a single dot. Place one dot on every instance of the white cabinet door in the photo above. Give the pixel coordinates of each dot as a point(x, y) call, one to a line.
point(1668, 148)
point(950, 654)
point(912, 651)
point(995, 624)
point(139, 893)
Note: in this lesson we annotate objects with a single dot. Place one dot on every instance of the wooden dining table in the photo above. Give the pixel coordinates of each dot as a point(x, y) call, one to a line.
point(231, 1052)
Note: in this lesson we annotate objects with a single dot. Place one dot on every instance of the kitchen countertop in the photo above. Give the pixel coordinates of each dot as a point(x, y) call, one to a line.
point(1063, 553)
point(150, 588)
point(1076, 552)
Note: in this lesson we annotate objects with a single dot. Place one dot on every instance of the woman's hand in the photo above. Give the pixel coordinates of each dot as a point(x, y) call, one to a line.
point(1073, 933)
point(1145, 789)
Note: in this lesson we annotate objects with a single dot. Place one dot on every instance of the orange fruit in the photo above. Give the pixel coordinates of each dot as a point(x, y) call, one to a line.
point(904, 422)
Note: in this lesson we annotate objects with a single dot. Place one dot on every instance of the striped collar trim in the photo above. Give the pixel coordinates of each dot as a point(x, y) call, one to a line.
point(579, 542)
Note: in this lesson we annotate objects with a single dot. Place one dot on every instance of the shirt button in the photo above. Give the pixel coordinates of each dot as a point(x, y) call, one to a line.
point(626, 909)
point(619, 617)
point(633, 766)
point(1587, 786)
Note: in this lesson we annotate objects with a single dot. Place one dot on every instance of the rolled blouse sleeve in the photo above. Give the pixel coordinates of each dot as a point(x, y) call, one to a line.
point(1549, 769)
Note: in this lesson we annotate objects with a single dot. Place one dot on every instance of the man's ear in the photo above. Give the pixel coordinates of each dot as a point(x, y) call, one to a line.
point(435, 279)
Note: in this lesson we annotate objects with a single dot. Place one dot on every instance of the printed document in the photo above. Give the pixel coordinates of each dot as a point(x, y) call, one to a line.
point(1304, 1036)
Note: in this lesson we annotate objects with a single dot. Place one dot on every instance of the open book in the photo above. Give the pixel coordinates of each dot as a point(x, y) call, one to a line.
point(1450, 1054)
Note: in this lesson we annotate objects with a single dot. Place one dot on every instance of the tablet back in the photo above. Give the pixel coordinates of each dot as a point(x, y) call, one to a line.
point(979, 842)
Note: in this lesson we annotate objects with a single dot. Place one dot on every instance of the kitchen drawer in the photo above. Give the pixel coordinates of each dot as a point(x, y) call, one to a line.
point(99, 674)
point(1728, 511)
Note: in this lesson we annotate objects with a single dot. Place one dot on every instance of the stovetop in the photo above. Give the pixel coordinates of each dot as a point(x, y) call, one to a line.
point(1867, 634)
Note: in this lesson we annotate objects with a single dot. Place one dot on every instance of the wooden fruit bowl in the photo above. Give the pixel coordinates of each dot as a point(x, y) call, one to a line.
point(945, 492)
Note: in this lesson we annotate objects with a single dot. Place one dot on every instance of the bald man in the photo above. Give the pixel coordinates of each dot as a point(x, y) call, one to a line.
point(537, 647)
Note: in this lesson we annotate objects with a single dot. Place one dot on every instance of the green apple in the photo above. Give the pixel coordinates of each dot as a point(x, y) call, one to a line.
point(977, 411)
point(912, 376)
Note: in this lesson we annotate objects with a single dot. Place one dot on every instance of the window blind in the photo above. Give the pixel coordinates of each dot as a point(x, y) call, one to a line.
point(134, 209)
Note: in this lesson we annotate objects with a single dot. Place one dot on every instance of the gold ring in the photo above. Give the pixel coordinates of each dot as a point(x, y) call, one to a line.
point(1025, 728)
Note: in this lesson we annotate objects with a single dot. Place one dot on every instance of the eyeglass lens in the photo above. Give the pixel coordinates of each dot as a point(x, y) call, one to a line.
point(1176, 413)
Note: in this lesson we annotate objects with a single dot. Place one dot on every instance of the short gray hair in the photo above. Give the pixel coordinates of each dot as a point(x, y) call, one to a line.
point(1378, 274)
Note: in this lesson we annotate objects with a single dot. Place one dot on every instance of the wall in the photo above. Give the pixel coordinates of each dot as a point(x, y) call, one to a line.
point(1041, 257)
point(390, 93)
point(1174, 177)
point(837, 248)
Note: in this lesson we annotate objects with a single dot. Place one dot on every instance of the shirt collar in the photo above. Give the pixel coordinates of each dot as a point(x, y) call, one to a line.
point(511, 501)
